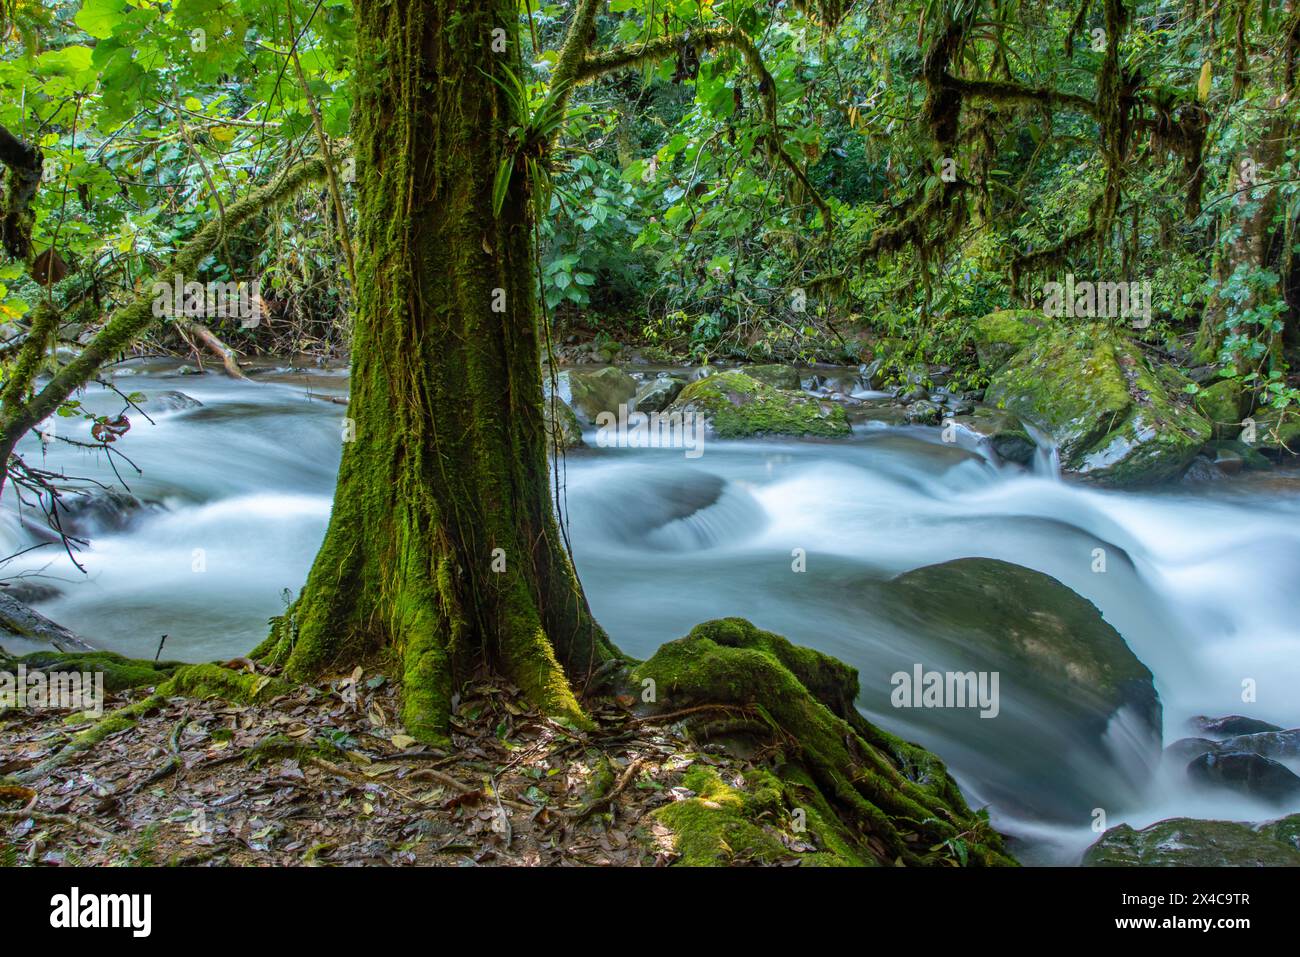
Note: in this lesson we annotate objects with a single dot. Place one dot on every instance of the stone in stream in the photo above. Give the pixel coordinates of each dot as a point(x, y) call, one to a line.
point(1116, 419)
point(107, 510)
point(1188, 749)
point(602, 390)
point(1230, 726)
point(1187, 842)
point(170, 400)
point(561, 424)
point(737, 406)
point(1035, 628)
point(1278, 745)
point(923, 412)
point(778, 376)
point(1246, 773)
point(657, 394)
point(1005, 434)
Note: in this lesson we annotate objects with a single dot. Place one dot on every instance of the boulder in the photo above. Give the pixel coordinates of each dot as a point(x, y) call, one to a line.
point(1278, 745)
point(778, 376)
point(1250, 774)
point(1000, 335)
point(736, 406)
point(602, 390)
point(1277, 432)
point(1222, 403)
point(1114, 419)
point(562, 427)
point(1003, 432)
point(170, 400)
point(923, 412)
point(657, 394)
point(1230, 726)
point(1035, 629)
point(1186, 842)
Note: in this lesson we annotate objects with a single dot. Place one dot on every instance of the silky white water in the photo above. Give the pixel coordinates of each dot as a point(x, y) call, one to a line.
point(1198, 579)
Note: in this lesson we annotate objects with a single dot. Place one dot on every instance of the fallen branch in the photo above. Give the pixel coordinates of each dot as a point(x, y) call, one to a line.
point(210, 339)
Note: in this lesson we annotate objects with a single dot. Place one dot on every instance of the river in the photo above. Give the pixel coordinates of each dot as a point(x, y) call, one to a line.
point(1200, 580)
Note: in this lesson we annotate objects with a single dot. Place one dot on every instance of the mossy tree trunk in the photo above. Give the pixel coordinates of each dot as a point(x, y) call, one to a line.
point(443, 547)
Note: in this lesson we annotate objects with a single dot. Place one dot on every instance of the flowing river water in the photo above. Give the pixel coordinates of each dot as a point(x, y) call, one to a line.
point(1200, 580)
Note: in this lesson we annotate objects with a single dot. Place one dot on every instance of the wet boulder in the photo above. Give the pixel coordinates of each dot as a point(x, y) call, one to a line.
point(1000, 335)
point(1116, 420)
point(737, 406)
point(1187, 842)
point(1003, 432)
point(1230, 726)
point(170, 400)
point(105, 510)
point(601, 390)
point(1277, 433)
point(657, 394)
point(1278, 745)
point(775, 375)
point(562, 427)
point(1246, 773)
point(1223, 404)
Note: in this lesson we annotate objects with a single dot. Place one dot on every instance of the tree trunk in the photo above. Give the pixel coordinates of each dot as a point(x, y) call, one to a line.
point(442, 548)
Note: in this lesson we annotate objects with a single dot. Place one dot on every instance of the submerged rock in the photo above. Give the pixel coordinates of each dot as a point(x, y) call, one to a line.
point(602, 390)
point(1186, 842)
point(107, 510)
point(737, 406)
point(170, 400)
point(1246, 773)
point(1112, 416)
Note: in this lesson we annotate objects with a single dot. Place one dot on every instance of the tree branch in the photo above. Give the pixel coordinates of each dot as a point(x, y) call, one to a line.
point(25, 164)
point(631, 55)
point(133, 320)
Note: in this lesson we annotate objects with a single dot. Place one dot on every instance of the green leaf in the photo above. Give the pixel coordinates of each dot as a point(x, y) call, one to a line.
point(99, 17)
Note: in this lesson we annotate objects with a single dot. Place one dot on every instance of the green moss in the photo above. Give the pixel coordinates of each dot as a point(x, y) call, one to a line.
point(1222, 403)
point(718, 826)
point(119, 673)
point(562, 426)
point(776, 375)
point(738, 406)
point(884, 798)
point(1277, 433)
point(214, 681)
point(1187, 842)
point(1115, 420)
point(1000, 335)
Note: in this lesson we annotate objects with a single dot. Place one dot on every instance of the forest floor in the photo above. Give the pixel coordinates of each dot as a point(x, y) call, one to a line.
point(324, 776)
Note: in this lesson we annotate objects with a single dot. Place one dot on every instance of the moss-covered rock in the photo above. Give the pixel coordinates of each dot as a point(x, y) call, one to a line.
point(776, 375)
point(657, 394)
point(1033, 629)
point(1114, 419)
point(562, 426)
point(737, 406)
point(864, 793)
point(119, 673)
point(1277, 432)
point(1222, 403)
point(602, 390)
point(1000, 335)
point(1186, 842)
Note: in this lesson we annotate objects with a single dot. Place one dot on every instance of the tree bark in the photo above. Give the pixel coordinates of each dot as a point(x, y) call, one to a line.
point(443, 549)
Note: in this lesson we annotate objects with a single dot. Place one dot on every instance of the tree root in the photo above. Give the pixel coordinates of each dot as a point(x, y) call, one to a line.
point(890, 801)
